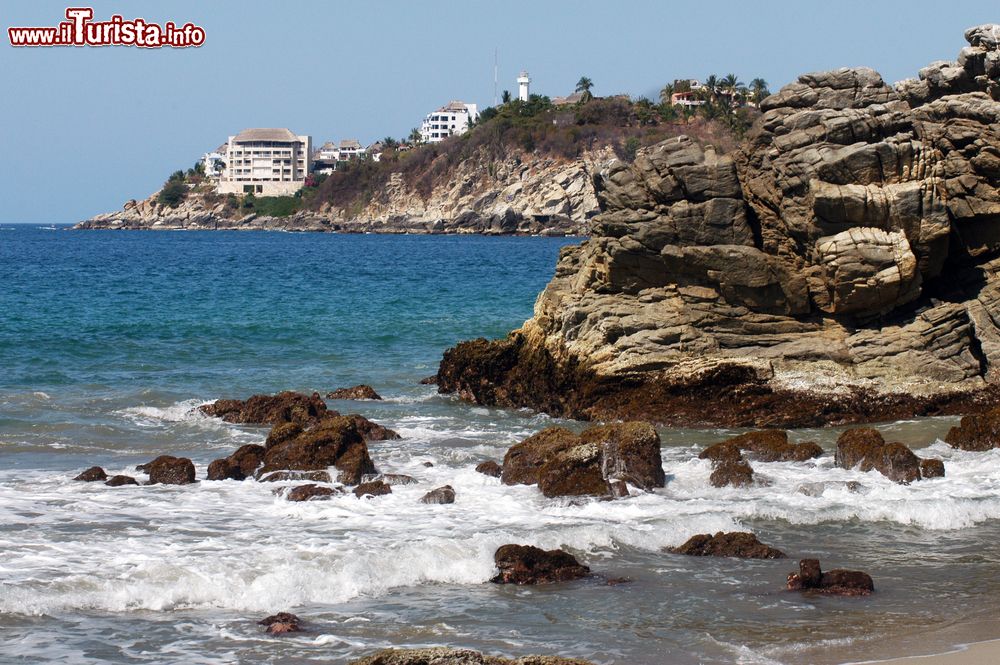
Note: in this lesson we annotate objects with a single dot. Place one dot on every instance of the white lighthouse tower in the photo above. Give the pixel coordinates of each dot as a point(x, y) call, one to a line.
point(522, 86)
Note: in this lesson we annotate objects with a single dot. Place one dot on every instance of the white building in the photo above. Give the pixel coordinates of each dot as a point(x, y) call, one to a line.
point(266, 161)
point(523, 81)
point(349, 149)
point(214, 162)
point(447, 121)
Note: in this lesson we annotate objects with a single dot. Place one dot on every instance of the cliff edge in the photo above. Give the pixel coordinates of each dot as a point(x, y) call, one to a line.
point(841, 265)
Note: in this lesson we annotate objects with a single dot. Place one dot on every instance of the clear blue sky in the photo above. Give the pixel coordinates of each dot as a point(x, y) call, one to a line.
point(85, 129)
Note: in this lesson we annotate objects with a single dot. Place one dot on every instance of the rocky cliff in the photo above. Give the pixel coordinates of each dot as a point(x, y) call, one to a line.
point(522, 194)
point(841, 265)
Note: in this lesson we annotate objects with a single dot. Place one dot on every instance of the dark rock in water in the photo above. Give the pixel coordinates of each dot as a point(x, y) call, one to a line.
point(372, 489)
point(311, 493)
point(931, 468)
point(391, 479)
point(619, 489)
point(280, 433)
point(429, 380)
point(976, 432)
point(734, 544)
point(489, 468)
point(525, 564)
point(119, 481)
point(286, 406)
point(840, 266)
point(762, 446)
point(449, 656)
point(372, 431)
point(238, 466)
point(280, 623)
point(281, 476)
point(566, 464)
point(93, 474)
point(428, 464)
point(735, 473)
point(361, 391)
point(440, 495)
point(865, 449)
point(332, 441)
point(837, 582)
point(170, 470)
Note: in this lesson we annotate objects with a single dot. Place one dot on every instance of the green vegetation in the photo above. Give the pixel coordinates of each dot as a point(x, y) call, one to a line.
point(272, 206)
point(174, 191)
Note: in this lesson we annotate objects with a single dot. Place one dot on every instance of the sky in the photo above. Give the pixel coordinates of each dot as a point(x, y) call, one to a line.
point(84, 129)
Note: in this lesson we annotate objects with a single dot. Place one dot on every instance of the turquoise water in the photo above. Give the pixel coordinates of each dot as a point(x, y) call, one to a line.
point(110, 340)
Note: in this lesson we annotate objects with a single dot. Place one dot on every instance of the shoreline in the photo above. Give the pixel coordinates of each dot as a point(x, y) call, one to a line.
point(967, 643)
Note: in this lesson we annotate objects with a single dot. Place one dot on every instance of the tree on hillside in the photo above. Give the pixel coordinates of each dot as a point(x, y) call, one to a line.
point(758, 90)
point(174, 191)
point(415, 136)
point(583, 86)
point(710, 87)
point(730, 83)
point(666, 93)
point(505, 97)
point(389, 142)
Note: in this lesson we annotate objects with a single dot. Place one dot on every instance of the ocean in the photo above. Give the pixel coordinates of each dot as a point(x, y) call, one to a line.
point(110, 340)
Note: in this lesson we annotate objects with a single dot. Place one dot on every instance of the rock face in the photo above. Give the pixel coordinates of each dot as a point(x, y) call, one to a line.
point(93, 474)
point(447, 656)
point(865, 449)
point(522, 194)
point(525, 564)
point(333, 441)
point(762, 446)
point(169, 470)
point(732, 473)
point(238, 466)
point(440, 495)
point(837, 582)
point(977, 432)
point(562, 463)
point(286, 406)
point(840, 266)
point(734, 544)
point(356, 392)
point(311, 492)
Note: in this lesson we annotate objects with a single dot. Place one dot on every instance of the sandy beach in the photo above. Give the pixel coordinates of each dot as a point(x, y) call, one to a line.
point(965, 644)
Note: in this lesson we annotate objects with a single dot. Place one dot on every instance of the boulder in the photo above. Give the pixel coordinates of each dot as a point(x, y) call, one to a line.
point(762, 446)
point(332, 441)
point(283, 476)
point(93, 474)
point(449, 656)
point(732, 473)
point(281, 623)
point(489, 468)
point(837, 582)
point(119, 481)
point(311, 492)
point(170, 470)
point(391, 479)
point(976, 432)
point(737, 544)
point(931, 468)
point(444, 494)
point(525, 564)
point(372, 431)
point(238, 466)
point(566, 464)
point(372, 489)
point(865, 449)
point(285, 406)
point(361, 391)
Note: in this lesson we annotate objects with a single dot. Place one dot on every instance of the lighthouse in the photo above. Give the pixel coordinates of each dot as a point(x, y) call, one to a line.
point(522, 86)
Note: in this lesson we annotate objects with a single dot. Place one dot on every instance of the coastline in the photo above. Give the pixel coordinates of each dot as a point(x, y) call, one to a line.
point(968, 643)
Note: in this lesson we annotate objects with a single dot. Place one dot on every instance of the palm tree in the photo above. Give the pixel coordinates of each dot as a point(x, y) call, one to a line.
point(758, 87)
point(730, 82)
point(390, 142)
point(711, 86)
point(583, 86)
point(415, 136)
point(505, 97)
point(666, 94)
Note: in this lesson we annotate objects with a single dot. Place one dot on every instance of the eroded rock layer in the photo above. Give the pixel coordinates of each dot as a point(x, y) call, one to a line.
point(840, 266)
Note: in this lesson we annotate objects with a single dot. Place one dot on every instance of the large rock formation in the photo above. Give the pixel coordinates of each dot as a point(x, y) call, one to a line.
point(520, 194)
point(841, 265)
